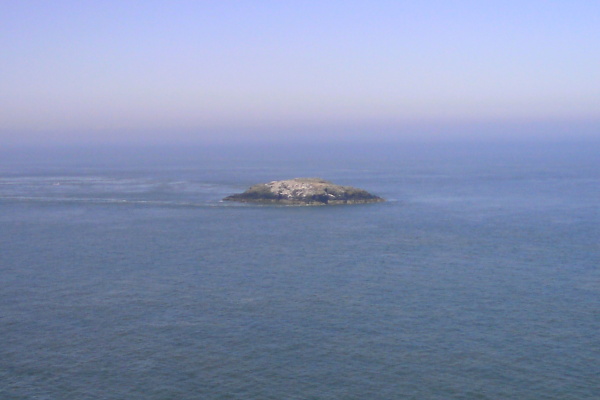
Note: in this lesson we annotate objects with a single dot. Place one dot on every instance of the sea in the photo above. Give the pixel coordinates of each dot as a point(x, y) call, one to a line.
point(123, 275)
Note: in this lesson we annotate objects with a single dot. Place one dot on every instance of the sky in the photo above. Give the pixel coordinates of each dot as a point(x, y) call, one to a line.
point(124, 71)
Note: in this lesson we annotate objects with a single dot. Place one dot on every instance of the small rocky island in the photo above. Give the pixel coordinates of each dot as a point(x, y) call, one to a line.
point(304, 191)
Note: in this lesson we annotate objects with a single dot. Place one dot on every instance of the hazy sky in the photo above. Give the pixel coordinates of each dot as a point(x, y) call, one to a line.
point(206, 71)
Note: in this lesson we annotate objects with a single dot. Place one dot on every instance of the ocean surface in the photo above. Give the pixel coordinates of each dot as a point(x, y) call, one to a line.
point(123, 275)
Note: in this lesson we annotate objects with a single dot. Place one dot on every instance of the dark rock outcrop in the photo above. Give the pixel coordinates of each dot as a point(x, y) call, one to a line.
point(304, 191)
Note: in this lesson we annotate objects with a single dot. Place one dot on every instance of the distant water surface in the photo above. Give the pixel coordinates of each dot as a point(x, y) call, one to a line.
point(123, 275)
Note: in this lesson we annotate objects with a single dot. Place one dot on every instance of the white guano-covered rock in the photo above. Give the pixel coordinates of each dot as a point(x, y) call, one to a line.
point(304, 191)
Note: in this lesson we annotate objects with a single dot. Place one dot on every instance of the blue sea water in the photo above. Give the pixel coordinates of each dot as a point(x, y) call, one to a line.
point(123, 275)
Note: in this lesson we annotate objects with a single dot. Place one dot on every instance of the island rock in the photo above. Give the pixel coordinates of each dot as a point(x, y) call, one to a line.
point(304, 191)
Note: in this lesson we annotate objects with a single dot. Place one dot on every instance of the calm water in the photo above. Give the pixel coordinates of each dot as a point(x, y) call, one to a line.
point(123, 276)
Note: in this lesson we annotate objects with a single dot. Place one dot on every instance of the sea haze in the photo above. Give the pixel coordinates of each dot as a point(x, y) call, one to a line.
point(123, 275)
